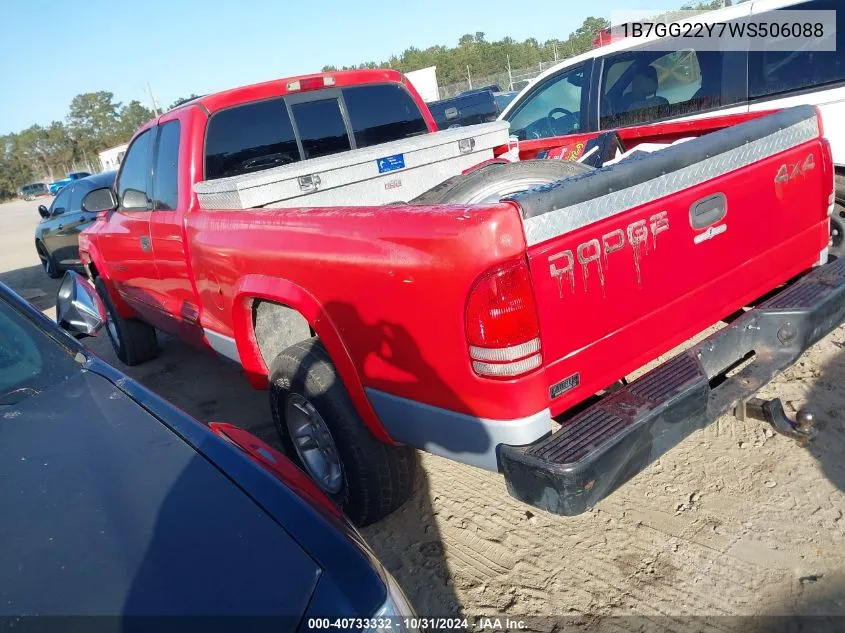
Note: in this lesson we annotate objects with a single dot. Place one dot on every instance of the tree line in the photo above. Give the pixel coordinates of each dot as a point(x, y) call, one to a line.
point(479, 57)
point(95, 122)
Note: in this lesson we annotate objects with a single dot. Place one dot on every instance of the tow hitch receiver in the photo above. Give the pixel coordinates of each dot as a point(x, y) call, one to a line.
point(802, 430)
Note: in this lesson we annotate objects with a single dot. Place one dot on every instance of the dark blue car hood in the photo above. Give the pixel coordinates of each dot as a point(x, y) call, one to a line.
point(104, 510)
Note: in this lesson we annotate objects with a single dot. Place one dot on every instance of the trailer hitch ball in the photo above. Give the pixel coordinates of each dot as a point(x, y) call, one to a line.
point(802, 430)
point(805, 420)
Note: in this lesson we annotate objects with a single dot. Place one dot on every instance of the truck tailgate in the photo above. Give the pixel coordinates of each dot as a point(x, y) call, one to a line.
point(631, 260)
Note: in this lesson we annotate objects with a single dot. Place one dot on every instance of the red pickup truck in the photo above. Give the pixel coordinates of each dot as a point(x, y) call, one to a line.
point(475, 330)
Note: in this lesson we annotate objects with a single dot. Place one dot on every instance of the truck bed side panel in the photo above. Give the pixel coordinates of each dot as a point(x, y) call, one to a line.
point(391, 281)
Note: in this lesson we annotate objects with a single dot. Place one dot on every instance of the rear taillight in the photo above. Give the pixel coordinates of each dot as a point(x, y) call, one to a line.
point(501, 320)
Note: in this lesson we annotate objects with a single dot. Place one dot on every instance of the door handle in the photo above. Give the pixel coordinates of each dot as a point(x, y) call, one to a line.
point(145, 243)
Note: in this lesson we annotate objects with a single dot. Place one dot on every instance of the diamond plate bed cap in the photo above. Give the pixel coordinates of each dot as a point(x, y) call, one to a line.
point(576, 202)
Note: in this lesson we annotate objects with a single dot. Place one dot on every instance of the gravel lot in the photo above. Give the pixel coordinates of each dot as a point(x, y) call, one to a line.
point(734, 521)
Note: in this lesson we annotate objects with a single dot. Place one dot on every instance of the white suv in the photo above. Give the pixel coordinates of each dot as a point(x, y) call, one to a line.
point(630, 83)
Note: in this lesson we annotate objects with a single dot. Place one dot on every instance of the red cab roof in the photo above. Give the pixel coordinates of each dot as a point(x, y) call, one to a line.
point(300, 83)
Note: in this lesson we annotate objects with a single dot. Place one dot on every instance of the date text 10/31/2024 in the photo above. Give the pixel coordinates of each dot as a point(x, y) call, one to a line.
point(416, 623)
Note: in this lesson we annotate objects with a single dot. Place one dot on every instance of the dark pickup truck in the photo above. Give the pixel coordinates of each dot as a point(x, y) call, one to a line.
point(469, 108)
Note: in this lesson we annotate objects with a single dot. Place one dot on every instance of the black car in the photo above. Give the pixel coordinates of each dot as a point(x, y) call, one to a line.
point(57, 235)
point(115, 503)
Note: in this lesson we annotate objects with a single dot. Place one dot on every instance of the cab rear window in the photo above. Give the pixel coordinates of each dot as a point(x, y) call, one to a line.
point(249, 138)
point(265, 134)
point(382, 113)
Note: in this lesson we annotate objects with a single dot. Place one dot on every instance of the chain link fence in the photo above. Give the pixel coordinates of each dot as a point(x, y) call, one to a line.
point(506, 80)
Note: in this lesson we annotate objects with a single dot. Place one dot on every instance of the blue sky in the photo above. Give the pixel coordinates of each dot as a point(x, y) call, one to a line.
point(51, 51)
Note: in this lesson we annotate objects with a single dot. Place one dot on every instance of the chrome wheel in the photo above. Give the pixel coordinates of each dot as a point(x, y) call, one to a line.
point(313, 443)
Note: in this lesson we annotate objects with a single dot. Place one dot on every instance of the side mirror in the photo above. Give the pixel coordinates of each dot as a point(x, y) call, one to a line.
point(135, 200)
point(43, 211)
point(79, 309)
point(99, 200)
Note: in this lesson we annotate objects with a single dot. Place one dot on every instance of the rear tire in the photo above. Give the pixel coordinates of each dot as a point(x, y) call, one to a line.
point(494, 182)
point(134, 341)
point(48, 262)
point(377, 478)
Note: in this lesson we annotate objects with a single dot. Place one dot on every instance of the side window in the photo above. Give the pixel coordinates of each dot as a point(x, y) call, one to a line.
point(166, 168)
point(60, 203)
point(80, 188)
point(382, 113)
point(321, 127)
point(133, 178)
point(779, 72)
point(552, 109)
point(645, 85)
point(249, 138)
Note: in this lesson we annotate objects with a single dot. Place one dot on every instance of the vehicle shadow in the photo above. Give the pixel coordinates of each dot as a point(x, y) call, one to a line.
point(33, 284)
point(826, 399)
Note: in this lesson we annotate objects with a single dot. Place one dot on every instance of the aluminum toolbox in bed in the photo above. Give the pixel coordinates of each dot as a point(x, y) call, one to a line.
point(380, 174)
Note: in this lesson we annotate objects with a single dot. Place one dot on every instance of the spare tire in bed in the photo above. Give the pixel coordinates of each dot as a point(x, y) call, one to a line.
point(493, 182)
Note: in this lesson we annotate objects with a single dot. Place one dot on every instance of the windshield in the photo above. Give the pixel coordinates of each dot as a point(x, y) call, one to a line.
point(30, 360)
point(552, 109)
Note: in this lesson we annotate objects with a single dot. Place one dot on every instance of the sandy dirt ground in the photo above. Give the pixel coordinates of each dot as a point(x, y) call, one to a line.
point(734, 521)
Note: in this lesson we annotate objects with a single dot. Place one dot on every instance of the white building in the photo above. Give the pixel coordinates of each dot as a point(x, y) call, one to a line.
point(111, 158)
point(424, 81)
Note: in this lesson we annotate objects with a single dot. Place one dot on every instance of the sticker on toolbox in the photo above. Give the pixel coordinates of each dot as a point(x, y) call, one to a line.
point(390, 163)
